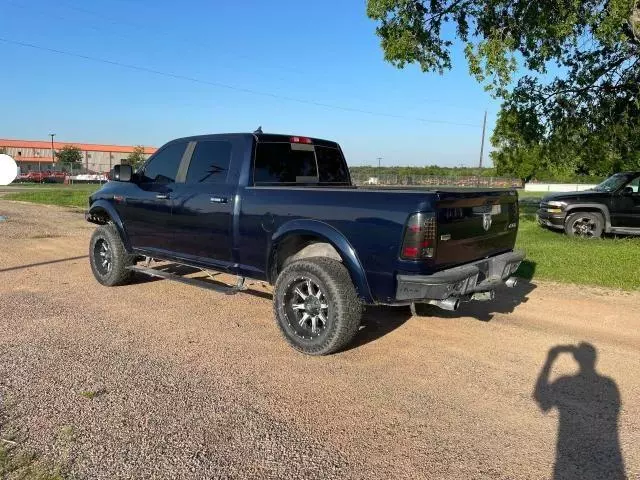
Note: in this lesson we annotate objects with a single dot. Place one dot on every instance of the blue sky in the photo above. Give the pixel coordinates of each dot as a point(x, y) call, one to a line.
point(317, 52)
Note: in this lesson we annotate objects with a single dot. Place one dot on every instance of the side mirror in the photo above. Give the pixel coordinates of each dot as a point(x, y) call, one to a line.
point(627, 191)
point(122, 173)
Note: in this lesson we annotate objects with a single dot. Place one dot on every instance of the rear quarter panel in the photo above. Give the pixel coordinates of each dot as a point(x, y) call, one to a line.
point(371, 221)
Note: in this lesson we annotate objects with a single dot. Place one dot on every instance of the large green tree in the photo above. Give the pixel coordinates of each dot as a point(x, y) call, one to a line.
point(568, 72)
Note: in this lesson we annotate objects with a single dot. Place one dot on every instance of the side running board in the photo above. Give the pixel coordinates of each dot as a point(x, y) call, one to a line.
point(226, 289)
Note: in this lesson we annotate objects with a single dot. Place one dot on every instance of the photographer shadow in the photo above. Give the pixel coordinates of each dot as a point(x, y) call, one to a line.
point(588, 445)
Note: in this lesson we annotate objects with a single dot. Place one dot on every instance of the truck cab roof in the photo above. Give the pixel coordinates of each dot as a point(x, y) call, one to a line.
point(260, 137)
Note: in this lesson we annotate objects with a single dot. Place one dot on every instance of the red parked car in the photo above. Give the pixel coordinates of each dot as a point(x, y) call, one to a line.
point(37, 177)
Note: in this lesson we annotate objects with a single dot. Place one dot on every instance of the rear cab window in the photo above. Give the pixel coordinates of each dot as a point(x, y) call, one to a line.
point(294, 163)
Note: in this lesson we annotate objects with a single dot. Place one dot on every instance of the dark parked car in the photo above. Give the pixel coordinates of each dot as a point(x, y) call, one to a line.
point(283, 209)
point(611, 207)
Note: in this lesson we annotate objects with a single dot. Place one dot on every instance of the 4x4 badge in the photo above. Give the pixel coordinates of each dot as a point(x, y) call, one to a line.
point(486, 221)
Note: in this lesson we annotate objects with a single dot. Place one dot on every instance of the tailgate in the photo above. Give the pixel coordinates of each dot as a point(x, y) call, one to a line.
point(473, 225)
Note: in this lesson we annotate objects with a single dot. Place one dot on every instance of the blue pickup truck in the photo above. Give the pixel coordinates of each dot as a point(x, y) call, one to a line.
point(282, 209)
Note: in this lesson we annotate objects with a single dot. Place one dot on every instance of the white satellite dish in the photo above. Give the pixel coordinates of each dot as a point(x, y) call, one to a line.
point(8, 169)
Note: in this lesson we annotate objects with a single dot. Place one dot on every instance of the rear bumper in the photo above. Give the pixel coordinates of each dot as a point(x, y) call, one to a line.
point(550, 220)
point(480, 276)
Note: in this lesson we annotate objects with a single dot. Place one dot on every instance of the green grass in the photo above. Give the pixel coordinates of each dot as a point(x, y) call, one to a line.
point(530, 196)
point(52, 186)
point(16, 463)
point(91, 394)
point(64, 195)
point(551, 255)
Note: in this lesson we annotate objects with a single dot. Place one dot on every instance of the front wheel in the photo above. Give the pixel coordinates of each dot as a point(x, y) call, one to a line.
point(108, 257)
point(584, 225)
point(316, 305)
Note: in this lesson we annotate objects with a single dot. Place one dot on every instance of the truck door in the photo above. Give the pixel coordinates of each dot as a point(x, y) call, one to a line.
point(203, 205)
point(146, 210)
point(626, 206)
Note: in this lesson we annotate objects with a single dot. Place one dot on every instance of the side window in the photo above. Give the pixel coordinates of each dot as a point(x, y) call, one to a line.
point(163, 167)
point(635, 185)
point(210, 162)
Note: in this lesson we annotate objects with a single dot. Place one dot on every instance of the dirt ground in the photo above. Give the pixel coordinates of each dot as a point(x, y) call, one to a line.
point(163, 380)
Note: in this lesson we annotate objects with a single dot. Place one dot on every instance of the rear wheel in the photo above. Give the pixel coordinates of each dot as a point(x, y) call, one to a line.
point(584, 225)
point(316, 305)
point(108, 257)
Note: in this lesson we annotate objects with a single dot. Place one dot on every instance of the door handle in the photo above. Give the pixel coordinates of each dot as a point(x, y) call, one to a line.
point(218, 199)
point(162, 196)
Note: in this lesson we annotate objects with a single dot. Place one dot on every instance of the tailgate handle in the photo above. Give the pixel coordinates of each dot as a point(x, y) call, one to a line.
point(218, 199)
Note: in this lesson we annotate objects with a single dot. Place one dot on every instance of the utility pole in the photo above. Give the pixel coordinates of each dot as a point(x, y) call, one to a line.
point(484, 127)
point(379, 160)
point(53, 153)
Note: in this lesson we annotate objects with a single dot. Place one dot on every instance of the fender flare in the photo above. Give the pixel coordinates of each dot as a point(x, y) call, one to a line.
point(106, 207)
point(595, 206)
point(332, 236)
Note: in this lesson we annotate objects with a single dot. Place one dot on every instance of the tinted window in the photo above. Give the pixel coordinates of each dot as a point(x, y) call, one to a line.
point(293, 163)
point(163, 167)
point(284, 163)
point(635, 185)
point(331, 165)
point(210, 162)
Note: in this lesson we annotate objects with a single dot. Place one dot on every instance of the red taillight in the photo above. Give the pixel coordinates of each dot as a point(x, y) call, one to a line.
point(300, 140)
point(410, 252)
point(419, 237)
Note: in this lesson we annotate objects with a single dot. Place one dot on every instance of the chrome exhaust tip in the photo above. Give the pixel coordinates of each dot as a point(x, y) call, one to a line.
point(511, 282)
point(450, 304)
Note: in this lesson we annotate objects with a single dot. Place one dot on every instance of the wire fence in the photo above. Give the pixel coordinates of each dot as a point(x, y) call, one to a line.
point(72, 173)
point(67, 168)
point(63, 173)
point(436, 181)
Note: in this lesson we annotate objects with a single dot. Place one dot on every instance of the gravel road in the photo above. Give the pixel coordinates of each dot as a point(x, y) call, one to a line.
point(163, 380)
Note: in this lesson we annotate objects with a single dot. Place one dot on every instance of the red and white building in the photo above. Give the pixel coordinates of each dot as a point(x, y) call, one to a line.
point(36, 155)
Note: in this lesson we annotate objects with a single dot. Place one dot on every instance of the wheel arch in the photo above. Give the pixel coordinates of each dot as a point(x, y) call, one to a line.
point(305, 238)
point(102, 212)
point(591, 207)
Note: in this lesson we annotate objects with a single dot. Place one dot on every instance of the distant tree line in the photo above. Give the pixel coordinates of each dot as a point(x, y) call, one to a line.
point(426, 170)
point(549, 175)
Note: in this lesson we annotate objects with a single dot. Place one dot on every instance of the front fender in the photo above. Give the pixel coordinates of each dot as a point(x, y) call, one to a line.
point(332, 236)
point(99, 209)
point(595, 206)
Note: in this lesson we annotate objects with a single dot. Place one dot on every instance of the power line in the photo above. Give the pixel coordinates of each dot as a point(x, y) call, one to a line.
point(190, 43)
point(227, 86)
point(133, 26)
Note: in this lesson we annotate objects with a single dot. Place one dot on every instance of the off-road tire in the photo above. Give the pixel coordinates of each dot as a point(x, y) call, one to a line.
point(593, 219)
point(344, 307)
point(117, 273)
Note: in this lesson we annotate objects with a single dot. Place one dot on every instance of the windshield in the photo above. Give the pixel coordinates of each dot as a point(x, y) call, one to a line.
point(613, 183)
